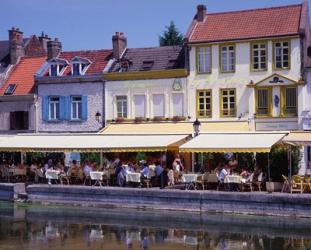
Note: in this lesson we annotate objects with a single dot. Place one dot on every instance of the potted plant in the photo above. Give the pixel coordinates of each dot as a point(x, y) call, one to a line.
point(158, 119)
point(139, 120)
point(178, 118)
point(120, 120)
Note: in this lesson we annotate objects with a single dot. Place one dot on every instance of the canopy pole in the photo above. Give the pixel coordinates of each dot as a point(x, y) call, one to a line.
point(269, 174)
point(101, 160)
point(290, 163)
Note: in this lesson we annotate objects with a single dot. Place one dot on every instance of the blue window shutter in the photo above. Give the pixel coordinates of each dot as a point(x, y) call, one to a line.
point(62, 108)
point(45, 108)
point(68, 108)
point(84, 108)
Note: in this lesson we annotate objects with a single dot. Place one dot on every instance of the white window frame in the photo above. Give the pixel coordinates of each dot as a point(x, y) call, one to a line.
point(78, 104)
point(204, 60)
point(259, 55)
point(164, 103)
point(123, 113)
point(183, 104)
point(53, 105)
point(281, 48)
point(227, 58)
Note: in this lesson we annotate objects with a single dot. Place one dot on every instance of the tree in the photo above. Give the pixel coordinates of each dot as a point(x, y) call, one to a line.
point(171, 36)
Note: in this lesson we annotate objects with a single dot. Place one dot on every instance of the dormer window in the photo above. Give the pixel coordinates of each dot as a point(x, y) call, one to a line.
point(79, 66)
point(147, 65)
point(10, 89)
point(57, 66)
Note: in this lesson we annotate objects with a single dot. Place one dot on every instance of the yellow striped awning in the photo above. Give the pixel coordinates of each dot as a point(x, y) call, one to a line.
point(90, 143)
point(298, 138)
point(232, 142)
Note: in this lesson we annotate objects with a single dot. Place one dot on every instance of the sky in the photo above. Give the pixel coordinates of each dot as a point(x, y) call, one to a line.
point(90, 24)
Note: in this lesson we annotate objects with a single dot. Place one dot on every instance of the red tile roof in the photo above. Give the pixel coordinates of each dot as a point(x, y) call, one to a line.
point(98, 58)
point(246, 24)
point(23, 75)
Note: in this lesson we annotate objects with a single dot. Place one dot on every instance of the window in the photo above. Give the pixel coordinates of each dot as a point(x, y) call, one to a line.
point(10, 89)
point(228, 103)
point(54, 108)
point(204, 103)
point(281, 55)
point(204, 60)
point(227, 58)
point(147, 65)
point(121, 106)
point(76, 108)
point(263, 101)
point(290, 101)
point(56, 69)
point(259, 56)
point(158, 105)
point(178, 104)
point(78, 68)
point(19, 120)
point(140, 106)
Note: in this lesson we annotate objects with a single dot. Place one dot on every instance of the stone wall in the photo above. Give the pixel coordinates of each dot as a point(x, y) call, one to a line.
point(10, 191)
point(178, 200)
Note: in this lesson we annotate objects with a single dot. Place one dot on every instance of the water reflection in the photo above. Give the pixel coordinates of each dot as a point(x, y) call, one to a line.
point(34, 227)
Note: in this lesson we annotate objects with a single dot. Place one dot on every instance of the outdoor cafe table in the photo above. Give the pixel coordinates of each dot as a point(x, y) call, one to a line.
point(189, 180)
point(133, 177)
point(17, 171)
point(52, 174)
point(233, 181)
point(97, 176)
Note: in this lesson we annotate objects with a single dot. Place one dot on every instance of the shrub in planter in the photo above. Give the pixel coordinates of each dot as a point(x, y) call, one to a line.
point(139, 120)
point(179, 118)
point(120, 120)
point(158, 119)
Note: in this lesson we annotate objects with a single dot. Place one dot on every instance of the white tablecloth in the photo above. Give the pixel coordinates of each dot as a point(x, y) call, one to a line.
point(52, 174)
point(17, 171)
point(187, 178)
point(96, 175)
point(133, 177)
point(233, 179)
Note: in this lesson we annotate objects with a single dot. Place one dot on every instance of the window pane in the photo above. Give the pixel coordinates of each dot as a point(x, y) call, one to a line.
point(178, 104)
point(140, 105)
point(158, 105)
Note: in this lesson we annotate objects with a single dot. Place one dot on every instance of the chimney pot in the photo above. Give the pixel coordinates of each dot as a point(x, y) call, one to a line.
point(119, 44)
point(53, 48)
point(201, 13)
point(16, 44)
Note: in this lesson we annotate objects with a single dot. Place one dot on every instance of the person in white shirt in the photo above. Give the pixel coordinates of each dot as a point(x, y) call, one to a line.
point(222, 175)
point(87, 168)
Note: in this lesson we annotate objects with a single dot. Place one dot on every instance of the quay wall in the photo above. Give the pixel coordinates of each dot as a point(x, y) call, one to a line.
point(11, 191)
point(255, 203)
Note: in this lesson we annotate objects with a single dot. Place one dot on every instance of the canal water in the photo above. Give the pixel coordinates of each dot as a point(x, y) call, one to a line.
point(34, 227)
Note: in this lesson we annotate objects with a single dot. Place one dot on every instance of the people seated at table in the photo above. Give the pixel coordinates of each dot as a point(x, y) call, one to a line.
point(171, 177)
point(145, 171)
point(257, 172)
point(223, 173)
point(87, 168)
point(120, 174)
point(245, 173)
point(233, 164)
point(48, 165)
point(161, 174)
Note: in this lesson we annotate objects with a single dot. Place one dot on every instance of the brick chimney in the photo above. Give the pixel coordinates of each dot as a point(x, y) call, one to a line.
point(54, 48)
point(119, 44)
point(44, 41)
point(201, 13)
point(16, 44)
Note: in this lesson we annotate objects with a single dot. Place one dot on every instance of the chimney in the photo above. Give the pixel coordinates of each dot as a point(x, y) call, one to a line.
point(16, 44)
point(44, 40)
point(201, 13)
point(53, 48)
point(119, 44)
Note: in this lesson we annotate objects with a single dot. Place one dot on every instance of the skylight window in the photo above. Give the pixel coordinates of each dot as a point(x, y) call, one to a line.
point(147, 65)
point(10, 89)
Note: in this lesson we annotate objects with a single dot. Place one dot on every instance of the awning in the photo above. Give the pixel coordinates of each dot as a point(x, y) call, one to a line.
point(299, 138)
point(91, 143)
point(174, 127)
point(232, 142)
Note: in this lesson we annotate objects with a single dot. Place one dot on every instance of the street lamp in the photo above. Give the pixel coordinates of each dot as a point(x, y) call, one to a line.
point(98, 116)
point(196, 127)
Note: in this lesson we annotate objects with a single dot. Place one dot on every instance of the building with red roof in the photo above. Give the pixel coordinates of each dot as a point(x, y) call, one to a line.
point(20, 58)
point(70, 90)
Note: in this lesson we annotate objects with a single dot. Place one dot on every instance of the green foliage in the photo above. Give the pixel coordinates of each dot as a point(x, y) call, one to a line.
point(279, 164)
point(140, 156)
point(171, 36)
point(92, 157)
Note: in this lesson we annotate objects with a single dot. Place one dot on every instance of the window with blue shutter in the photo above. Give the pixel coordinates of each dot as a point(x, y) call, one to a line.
point(45, 108)
point(63, 108)
point(84, 108)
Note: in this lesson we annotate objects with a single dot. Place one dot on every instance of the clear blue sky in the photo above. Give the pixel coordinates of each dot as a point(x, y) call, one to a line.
point(89, 24)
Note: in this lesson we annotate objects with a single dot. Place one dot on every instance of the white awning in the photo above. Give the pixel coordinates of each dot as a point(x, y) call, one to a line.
point(90, 143)
point(299, 138)
point(232, 142)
